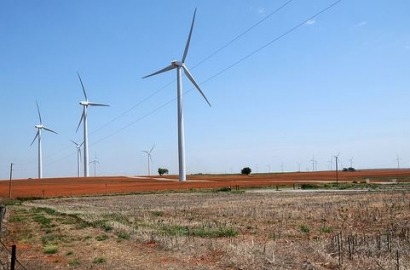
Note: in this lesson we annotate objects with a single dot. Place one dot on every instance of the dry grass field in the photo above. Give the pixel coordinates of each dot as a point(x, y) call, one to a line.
point(367, 227)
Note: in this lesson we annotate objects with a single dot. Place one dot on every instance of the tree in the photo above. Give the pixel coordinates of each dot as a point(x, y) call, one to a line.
point(246, 171)
point(162, 171)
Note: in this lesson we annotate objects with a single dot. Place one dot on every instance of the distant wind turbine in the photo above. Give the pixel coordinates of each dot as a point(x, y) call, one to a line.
point(149, 157)
point(314, 163)
point(83, 119)
point(78, 146)
point(398, 161)
point(95, 162)
point(351, 162)
point(40, 127)
point(179, 66)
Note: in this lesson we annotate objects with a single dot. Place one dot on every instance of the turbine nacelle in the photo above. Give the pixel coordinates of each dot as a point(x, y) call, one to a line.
point(176, 63)
point(39, 126)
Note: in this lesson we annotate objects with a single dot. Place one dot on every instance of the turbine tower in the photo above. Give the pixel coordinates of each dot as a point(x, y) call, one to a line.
point(78, 146)
point(83, 119)
point(149, 158)
point(179, 66)
point(40, 127)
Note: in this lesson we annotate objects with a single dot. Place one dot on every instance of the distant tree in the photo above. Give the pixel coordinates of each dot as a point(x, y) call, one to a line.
point(351, 169)
point(162, 171)
point(246, 171)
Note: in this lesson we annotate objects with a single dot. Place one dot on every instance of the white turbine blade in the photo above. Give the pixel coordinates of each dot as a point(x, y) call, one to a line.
point(82, 85)
point(189, 75)
point(170, 67)
point(38, 111)
point(98, 104)
point(79, 152)
point(35, 137)
point(81, 119)
point(50, 130)
point(151, 149)
point(149, 155)
point(74, 142)
point(189, 39)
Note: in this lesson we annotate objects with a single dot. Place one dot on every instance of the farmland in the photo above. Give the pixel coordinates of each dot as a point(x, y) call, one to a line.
point(208, 226)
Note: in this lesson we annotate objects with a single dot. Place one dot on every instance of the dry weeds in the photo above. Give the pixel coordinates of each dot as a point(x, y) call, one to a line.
point(230, 230)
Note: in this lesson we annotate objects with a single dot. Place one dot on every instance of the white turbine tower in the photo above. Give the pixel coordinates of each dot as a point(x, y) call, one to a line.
point(78, 146)
point(149, 158)
point(178, 65)
point(40, 127)
point(83, 119)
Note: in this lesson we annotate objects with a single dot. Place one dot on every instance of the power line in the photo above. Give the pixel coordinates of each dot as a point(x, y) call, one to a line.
point(297, 26)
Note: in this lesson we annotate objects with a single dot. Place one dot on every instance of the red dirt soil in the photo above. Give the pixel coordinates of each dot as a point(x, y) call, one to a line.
point(58, 187)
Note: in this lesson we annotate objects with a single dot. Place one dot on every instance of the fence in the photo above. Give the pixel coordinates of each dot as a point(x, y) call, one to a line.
point(8, 256)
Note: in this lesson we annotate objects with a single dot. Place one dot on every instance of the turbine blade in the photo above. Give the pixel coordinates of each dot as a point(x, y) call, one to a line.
point(149, 155)
point(189, 75)
point(38, 111)
point(170, 67)
point(81, 119)
point(189, 39)
point(98, 104)
point(82, 85)
point(50, 130)
point(35, 137)
point(74, 142)
point(79, 152)
point(151, 149)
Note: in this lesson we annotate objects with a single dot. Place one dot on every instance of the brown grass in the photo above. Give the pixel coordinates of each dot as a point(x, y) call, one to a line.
point(274, 230)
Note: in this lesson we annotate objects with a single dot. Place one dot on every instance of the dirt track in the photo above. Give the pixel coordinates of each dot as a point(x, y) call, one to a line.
point(56, 187)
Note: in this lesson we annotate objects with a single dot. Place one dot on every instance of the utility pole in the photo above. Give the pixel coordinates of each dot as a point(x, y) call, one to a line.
point(11, 176)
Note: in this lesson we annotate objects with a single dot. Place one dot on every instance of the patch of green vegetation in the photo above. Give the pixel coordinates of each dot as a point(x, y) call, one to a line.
point(50, 249)
point(11, 202)
point(309, 186)
point(51, 239)
point(102, 237)
point(157, 213)
point(304, 228)
point(74, 262)
point(99, 260)
point(204, 232)
point(42, 220)
point(123, 236)
point(102, 224)
point(325, 229)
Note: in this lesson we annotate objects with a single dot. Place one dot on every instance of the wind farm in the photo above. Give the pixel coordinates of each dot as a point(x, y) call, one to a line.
point(301, 162)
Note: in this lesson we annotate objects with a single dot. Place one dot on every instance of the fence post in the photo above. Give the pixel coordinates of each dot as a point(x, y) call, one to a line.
point(13, 258)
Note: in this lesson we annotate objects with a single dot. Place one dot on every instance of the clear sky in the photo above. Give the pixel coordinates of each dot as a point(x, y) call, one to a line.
point(339, 83)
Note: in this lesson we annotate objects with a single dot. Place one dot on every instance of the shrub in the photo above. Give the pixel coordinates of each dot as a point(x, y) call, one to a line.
point(246, 171)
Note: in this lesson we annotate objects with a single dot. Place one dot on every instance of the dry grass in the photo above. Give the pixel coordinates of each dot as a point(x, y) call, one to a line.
point(250, 230)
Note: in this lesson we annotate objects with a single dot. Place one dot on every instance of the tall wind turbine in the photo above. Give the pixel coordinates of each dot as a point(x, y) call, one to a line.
point(314, 163)
point(149, 158)
point(83, 119)
point(40, 127)
point(78, 146)
point(179, 66)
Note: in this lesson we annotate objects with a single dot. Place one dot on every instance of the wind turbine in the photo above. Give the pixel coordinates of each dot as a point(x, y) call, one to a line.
point(95, 162)
point(78, 146)
point(351, 162)
point(314, 162)
point(149, 158)
point(40, 127)
point(398, 161)
point(83, 119)
point(179, 66)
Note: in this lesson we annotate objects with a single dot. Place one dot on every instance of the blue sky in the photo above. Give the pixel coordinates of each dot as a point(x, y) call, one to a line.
point(339, 83)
